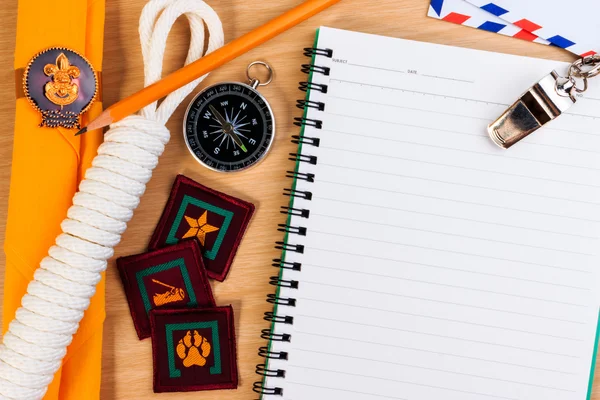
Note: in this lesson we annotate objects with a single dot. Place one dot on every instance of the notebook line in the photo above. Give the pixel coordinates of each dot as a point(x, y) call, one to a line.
point(460, 201)
point(460, 167)
point(435, 369)
point(488, 119)
point(464, 253)
point(440, 336)
point(454, 234)
point(404, 72)
point(436, 318)
point(437, 301)
point(446, 96)
point(388, 345)
point(446, 216)
point(446, 268)
point(490, 154)
point(401, 381)
point(423, 93)
point(467, 185)
point(345, 390)
point(484, 138)
point(370, 273)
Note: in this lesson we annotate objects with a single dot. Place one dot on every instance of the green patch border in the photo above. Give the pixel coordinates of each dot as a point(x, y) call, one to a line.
point(186, 326)
point(187, 200)
point(180, 263)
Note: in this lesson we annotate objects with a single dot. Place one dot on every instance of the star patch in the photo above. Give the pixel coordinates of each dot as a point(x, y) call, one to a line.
point(193, 349)
point(172, 277)
point(214, 219)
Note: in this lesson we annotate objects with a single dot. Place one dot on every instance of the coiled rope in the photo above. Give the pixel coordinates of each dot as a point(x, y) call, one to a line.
point(36, 341)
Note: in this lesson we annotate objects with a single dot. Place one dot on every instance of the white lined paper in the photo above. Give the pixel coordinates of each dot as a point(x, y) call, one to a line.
point(436, 265)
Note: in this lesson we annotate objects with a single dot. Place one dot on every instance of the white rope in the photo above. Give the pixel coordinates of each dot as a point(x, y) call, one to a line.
point(32, 349)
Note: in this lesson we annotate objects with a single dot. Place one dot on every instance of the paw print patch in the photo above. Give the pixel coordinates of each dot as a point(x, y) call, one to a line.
point(193, 352)
point(172, 277)
point(193, 349)
point(217, 221)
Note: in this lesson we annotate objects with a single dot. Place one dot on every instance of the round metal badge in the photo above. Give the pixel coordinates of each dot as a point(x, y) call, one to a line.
point(61, 84)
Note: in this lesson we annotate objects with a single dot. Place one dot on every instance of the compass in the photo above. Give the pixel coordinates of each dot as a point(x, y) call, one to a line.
point(229, 126)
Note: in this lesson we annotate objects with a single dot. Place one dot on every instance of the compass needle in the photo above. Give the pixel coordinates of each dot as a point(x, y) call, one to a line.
point(236, 116)
point(239, 134)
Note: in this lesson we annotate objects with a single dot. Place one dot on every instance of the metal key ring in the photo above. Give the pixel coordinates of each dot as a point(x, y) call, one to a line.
point(254, 81)
point(593, 61)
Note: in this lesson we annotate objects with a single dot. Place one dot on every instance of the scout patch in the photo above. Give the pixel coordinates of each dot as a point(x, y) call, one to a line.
point(214, 219)
point(172, 277)
point(193, 349)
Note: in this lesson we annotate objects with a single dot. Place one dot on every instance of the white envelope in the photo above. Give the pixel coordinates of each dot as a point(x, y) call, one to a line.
point(572, 25)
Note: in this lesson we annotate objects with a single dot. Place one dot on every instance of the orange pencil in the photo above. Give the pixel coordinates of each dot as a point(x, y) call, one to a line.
point(235, 48)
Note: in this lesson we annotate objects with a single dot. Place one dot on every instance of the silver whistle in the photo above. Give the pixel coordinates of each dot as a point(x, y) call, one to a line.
point(543, 102)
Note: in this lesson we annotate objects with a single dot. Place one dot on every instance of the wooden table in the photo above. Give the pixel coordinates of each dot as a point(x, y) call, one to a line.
point(127, 370)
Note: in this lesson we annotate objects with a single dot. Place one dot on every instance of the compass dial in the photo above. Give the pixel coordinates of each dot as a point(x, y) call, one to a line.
point(229, 127)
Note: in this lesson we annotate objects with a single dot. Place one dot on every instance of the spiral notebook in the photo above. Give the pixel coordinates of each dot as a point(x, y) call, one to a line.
point(420, 261)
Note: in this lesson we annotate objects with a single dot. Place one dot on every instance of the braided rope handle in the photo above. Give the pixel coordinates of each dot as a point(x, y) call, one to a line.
point(36, 341)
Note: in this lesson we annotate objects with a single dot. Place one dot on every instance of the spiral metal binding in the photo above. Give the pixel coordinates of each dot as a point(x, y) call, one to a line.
point(267, 334)
point(282, 319)
point(297, 230)
point(302, 121)
point(305, 86)
point(302, 104)
point(313, 141)
point(276, 355)
point(308, 177)
point(275, 299)
point(313, 51)
point(279, 263)
point(303, 158)
point(298, 193)
point(299, 212)
point(261, 369)
point(308, 68)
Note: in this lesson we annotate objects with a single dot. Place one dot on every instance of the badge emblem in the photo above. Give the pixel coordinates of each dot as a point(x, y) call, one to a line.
point(215, 220)
point(194, 349)
point(61, 84)
point(172, 277)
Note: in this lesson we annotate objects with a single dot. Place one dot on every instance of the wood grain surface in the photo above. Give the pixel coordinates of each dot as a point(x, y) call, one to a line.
point(127, 362)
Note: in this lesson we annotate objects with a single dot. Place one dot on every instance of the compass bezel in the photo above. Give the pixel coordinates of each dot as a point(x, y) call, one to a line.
point(244, 168)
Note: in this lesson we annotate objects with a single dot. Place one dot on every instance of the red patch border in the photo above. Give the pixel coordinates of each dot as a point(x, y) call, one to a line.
point(184, 180)
point(228, 310)
point(123, 262)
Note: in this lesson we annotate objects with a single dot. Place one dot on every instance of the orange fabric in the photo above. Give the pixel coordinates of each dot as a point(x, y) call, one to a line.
point(47, 165)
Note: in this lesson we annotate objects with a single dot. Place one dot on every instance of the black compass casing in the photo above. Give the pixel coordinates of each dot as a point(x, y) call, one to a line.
point(250, 118)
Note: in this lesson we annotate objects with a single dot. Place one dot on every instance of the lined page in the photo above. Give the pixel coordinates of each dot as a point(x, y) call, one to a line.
point(437, 265)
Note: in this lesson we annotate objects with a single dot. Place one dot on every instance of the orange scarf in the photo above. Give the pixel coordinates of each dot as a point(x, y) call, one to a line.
point(47, 165)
